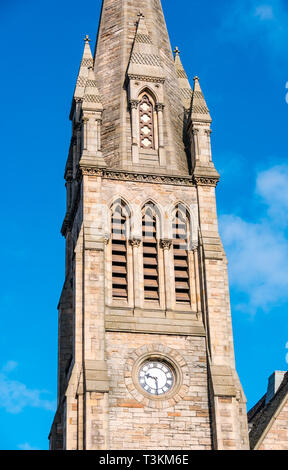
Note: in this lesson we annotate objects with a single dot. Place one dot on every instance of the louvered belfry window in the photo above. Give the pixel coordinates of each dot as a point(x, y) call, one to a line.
point(150, 254)
point(181, 259)
point(146, 123)
point(119, 254)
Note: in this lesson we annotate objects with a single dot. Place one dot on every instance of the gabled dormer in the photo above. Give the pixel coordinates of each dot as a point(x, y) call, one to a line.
point(146, 98)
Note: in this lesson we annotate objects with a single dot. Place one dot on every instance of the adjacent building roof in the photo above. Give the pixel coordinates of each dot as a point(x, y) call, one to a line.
point(263, 414)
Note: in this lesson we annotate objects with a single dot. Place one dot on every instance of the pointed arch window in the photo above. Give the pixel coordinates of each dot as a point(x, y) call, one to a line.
point(150, 253)
point(119, 223)
point(146, 122)
point(181, 224)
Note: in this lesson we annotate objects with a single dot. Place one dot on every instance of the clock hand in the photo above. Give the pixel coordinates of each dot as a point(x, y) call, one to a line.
point(154, 378)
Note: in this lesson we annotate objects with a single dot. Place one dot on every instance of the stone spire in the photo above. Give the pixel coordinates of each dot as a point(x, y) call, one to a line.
point(133, 39)
point(183, 81)
point(199, 108)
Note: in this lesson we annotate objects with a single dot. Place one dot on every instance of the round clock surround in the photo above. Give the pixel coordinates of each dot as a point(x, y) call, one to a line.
point(157, 353)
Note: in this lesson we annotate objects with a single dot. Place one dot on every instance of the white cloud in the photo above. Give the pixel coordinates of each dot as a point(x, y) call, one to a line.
point(272, 187)
point(9, 366)
point(254, 22)
point(265, 12)
point(258, 251)
point(27, 446)
point(15, 396)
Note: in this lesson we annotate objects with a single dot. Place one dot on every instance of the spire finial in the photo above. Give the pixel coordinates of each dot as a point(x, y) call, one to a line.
point(196, 79)
point(177, 51)
point(87, 39)
point(140, 15)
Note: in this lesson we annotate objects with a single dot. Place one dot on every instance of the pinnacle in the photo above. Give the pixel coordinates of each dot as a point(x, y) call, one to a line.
point(199, 108)
point(86, 63)
point(186, 90)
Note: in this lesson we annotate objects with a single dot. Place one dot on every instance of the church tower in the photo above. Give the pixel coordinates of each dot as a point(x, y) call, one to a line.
point(146, 355)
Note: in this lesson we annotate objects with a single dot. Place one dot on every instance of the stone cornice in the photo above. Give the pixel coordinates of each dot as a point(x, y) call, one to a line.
point(138, 177)
point(195, 180)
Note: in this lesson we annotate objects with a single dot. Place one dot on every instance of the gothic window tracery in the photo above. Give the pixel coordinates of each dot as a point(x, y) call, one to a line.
point(146, 123)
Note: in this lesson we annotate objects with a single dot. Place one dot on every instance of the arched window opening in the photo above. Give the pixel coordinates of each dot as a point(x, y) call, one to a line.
point(150, 254)
point(181, 258)
point(119, 253)
point(146, 123)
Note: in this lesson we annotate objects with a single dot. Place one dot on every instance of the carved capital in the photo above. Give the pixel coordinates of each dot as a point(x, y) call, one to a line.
point(134, 104)
point(106, 239)
point(208, 132)
point(166, 244)
point(135, 242)
point(160, 107)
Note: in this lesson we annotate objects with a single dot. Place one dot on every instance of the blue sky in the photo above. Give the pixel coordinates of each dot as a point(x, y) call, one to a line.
point(238, 49)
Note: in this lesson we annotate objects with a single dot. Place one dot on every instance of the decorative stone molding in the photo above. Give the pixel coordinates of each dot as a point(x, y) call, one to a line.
point(166, 244)
point(163, 353)
point(145, 78)
point(91, 171)
point(206, 181)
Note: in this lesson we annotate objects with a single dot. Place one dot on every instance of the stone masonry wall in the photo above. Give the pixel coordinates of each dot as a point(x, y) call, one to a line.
point(134, 425)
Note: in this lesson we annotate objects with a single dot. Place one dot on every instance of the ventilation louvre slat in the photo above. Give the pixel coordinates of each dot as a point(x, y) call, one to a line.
point(119, 255)
point(150, 255)
point(181, 260)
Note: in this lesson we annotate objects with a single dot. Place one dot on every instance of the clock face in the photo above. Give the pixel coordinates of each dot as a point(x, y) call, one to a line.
point(156, 378)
